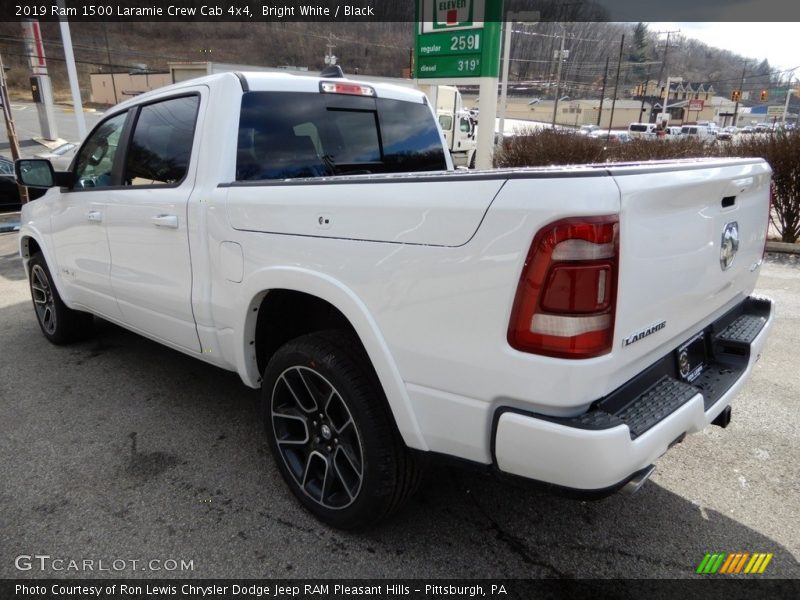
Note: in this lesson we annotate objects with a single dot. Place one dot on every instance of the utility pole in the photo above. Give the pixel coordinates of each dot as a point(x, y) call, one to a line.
point(72, 72)
point(501, 119)
point(558, 74)
point(330, 58)
point(616, 87)
point(739, 95)
point(531, 18)
point(110, 65)
point(603, 93)
point(644, 92)
point(11, 129)
point(788, 96)
point(41, 86)
point(663, 62)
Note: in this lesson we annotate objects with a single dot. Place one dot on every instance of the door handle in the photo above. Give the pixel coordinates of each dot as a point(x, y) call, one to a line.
point(94, 216)
point(169, 221)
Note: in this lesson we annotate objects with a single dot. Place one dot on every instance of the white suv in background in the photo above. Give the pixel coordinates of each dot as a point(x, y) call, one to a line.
point(701, 132)
point(642, 130)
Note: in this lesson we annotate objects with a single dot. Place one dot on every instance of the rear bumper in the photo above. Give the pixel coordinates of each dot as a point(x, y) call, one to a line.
point(630, 428)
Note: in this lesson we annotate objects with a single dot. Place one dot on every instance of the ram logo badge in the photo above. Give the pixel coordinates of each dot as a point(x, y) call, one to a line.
point(729, 245)
point(643, 333)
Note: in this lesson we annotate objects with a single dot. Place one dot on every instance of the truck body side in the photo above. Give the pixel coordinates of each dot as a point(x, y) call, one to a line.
point(426, 269)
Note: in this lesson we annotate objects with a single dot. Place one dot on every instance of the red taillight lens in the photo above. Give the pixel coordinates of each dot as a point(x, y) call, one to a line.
point(769, 220)
point(566, 298)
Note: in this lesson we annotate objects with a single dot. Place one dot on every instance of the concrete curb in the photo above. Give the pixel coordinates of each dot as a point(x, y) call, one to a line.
point(8, 217)
point(9, 222)
point(783, 247)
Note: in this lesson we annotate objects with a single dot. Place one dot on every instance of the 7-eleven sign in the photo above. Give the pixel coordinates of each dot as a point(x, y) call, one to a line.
point(440, 15)
point(452, 13)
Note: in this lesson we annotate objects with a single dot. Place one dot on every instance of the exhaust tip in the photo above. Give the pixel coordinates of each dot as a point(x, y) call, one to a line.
point(724, 418)
point(638, 480)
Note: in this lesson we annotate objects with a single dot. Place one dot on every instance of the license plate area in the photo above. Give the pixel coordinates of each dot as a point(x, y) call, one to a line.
point(691, 358)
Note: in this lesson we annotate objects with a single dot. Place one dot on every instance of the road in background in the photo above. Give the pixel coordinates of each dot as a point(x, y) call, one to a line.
point(119, 448)
point(26, 120)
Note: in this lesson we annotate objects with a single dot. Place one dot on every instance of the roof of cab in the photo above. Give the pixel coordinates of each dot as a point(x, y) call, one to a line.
point(258, 81)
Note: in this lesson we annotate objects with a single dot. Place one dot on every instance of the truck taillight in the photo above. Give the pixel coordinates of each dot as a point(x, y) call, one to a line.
point(769, 220)
point(566, 298)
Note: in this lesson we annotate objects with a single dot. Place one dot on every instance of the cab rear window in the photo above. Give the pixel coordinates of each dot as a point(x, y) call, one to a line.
point(285, 135)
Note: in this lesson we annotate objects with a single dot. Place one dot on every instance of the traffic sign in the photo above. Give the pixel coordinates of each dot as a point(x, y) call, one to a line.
point(774, 111)
point(457, 39)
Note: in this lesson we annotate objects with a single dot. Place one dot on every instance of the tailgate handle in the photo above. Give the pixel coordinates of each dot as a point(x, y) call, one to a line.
point(738, 186)
point(728, 201)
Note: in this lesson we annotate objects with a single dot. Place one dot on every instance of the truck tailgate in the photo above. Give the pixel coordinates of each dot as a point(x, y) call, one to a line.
point(677, 270)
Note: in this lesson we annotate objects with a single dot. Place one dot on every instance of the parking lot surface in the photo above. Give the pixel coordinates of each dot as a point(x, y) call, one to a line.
point(117, 448)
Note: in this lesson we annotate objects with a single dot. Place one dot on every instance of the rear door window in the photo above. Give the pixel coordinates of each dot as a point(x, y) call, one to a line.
point(286, 135)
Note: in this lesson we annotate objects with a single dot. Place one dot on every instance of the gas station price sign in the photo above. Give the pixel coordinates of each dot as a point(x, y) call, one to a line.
point(454, 39)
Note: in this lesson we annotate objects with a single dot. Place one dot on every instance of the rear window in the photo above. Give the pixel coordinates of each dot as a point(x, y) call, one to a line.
point(285, 135)
point(638, 127)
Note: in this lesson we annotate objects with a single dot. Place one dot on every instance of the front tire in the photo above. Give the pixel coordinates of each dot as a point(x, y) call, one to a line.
point(331, 432)
point(59, 323)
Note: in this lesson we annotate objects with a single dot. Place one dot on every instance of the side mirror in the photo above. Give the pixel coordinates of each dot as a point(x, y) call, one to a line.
point(35, 173)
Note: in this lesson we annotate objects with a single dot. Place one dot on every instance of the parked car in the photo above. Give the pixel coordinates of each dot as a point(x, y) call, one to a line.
point(9, 191)
point(704, 133)
point(61, 156)
point(727, 133)
point(614, 136)
point(588, 129)
point(642, 130)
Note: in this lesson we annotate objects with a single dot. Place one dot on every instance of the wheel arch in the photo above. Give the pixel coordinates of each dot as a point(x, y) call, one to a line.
point(29, 244)
point(289, 295)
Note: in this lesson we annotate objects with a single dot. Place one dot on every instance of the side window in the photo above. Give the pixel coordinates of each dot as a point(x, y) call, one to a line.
point(446, 121)
point(284, 135)
point(96, 157)
point(411, 141)
point(161, 144)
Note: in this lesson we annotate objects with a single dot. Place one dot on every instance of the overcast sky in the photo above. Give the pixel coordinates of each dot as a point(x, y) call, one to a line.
point(779, 43)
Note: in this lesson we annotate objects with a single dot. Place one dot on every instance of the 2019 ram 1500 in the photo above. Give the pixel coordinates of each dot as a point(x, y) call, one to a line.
point(565, 325)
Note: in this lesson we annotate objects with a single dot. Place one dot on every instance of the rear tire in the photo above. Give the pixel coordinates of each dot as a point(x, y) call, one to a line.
point(59, 323)
point(332, 434)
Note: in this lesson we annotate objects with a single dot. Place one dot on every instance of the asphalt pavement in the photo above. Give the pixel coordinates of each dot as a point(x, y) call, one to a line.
point(26, 121)
point(118, 449)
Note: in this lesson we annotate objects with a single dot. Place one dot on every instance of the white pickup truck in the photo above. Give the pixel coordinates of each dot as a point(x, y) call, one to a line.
point(562, 325)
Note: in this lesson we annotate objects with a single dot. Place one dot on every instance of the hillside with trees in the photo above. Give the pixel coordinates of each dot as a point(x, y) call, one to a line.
point(385, 49)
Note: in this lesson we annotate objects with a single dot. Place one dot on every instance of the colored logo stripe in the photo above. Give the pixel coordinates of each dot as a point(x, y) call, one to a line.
point(734, 563)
